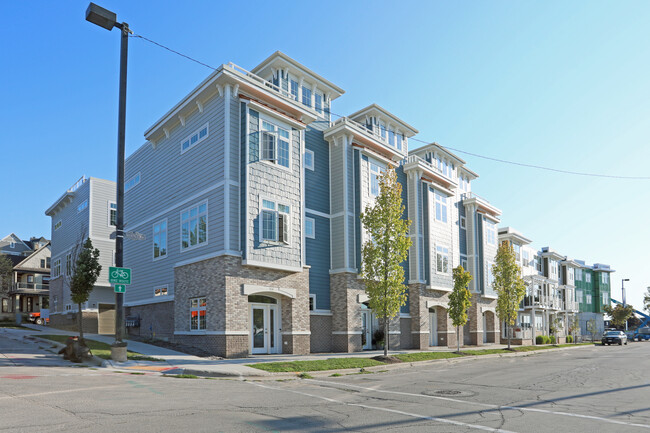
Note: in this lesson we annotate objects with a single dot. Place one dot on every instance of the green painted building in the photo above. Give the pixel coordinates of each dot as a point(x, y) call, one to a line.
point(593, 292)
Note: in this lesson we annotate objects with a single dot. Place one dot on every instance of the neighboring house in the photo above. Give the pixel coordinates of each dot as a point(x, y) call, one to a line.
point(12, 245)
point(249, 197)
point(85, 210)
point(593, 292)
point(28, 288)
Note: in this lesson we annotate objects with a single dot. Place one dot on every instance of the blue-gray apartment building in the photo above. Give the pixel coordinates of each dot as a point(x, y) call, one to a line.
point(249, 195)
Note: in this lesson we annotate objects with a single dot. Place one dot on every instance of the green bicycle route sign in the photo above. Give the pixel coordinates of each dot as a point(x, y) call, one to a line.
point(119, 275)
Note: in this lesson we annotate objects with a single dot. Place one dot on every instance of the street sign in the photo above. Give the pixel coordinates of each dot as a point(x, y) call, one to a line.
point(120, 288)
point(119, 275)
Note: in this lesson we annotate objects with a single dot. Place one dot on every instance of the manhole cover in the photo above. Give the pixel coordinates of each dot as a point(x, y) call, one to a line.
point(449, 393)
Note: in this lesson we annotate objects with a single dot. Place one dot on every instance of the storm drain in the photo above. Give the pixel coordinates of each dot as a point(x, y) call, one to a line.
point(449, 393)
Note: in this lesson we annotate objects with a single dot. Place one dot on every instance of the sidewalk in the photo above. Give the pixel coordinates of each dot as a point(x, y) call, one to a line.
point(182, 363)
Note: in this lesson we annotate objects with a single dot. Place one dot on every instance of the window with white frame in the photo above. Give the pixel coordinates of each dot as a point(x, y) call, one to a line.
point(275, 222)
point(463, 223)
point(160, 291)
point(132, 182)
point(56, 269)
point(517, 249)
point(160, 239)
point(526, 257)
point(588, 298)
point(571, 275)
point(399, 138)
point(463, 261)
point(310, 228)
point(553, 268)
point(309, 160)
point(312, 302)
point(605, 298)
point(275, 144)
point(197, 314)
point(294, 89)
point(441, 207)
point(58, 225)
point(306, 96)
point(578, 275)
point(82, 206)
point(490, 232)
point(587, 277)
point(194, 226)
point(442, 259)
point(195, 138)
point(68, 307)
point(604, 278)
point(579, 296)
point(68, 264)
point(489, 273)
point(375, 173)
point(539, 322)
point(112, 214)
point(318, 102)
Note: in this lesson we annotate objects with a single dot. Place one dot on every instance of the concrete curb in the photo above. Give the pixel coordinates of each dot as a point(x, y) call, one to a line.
point(94, 360)
point(402, 365)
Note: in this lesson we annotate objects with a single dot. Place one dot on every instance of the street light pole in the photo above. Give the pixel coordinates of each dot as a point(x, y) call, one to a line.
point(107, 19)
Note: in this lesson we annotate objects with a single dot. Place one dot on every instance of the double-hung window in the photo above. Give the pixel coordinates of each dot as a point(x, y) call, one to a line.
point(375, 172)
point(441, 207)
point(276, 222)
point(309, 160)
point(306, 96)
point(587, 277)
point(56, 271)
point(112, 214)
point(194, 226)
point(310, 228)
point(526, 258)
point(275, 144)
point(588, 299)
point(197, 314)
point(68, 264)
point(605, 278)
point(442, 259)
point(491, 232)
point(318, 102)
point(489, 273)
point(294, 89)
point(160, 239)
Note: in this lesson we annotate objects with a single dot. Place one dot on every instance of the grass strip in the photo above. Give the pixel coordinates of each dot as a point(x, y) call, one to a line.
point(342, 363)
point(102, 350)
point(319, 365)
point(12, 325)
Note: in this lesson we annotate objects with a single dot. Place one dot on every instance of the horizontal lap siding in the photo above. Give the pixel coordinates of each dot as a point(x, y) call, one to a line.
point(74, 224)
point(336, 206)
point(317, 182)
point(103, 193)
point(317, 256)
point(169, 180)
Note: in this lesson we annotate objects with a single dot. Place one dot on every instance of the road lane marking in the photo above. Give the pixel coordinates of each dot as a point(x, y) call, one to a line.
point(383, 409)
point(38, 394)
point(492, 406)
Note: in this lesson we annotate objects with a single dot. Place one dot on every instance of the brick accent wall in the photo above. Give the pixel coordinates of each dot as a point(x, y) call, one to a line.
point(221, 280)
point(156, 320)
point(345, 288)
point(69, 322)
point(321, 333)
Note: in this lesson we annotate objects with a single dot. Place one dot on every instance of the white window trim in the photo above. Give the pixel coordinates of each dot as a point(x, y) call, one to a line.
point(136, 178)
point(207, 227)
point(463, 223)
point(108, 205)
point(279, 124)
point(278, 203)
point(164, 220)
point(313, 296)
point(58, 225)
point(199, 139)
point(437, 194)
point(382, 168)
point(199, 308)
point(449, 264)
point(164, 286)
point(311, 166)
point(313, 224)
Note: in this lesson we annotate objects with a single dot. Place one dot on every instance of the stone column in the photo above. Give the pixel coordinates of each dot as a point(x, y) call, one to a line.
point(419, 316)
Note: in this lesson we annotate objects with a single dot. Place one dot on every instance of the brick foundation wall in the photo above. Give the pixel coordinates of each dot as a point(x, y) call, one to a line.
point(321, 333)
point(156, 320)
point(345, 288)
point(69, 322)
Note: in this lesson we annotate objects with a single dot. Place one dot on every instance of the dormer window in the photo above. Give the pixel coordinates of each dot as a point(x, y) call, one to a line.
point(306, 96)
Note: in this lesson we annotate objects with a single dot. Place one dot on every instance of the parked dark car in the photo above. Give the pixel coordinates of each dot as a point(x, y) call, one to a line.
point(614, 337)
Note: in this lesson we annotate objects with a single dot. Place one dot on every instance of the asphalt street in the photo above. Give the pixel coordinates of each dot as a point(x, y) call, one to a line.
point(592, 389)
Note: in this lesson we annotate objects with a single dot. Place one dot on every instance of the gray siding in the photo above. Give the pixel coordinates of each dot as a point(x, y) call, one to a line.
point(280, 185)
point(317, 181)
point(317, 256)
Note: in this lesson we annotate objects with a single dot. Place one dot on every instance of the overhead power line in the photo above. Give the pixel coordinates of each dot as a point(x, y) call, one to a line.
point(489, 158)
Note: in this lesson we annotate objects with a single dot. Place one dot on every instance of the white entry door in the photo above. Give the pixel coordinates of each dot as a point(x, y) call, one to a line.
point(484, 328)
point(366, 329)
point(264, 329)
point(433, 328)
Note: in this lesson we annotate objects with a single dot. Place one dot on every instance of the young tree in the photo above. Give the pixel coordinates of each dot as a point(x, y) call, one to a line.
point(646, 301)
point(556, 325)
point(592, 329)
point(460, 300)
point(508, 284)
point(574, 327)
point(619, 314)
point(385, 250)
point(85, 271)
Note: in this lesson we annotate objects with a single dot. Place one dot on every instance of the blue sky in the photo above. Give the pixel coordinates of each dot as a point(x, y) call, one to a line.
point(553, 83)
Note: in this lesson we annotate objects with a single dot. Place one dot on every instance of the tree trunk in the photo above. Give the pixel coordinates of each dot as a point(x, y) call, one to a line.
point(509, 328)
point(386, 336)
point(458, 338)
point(81, 331)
